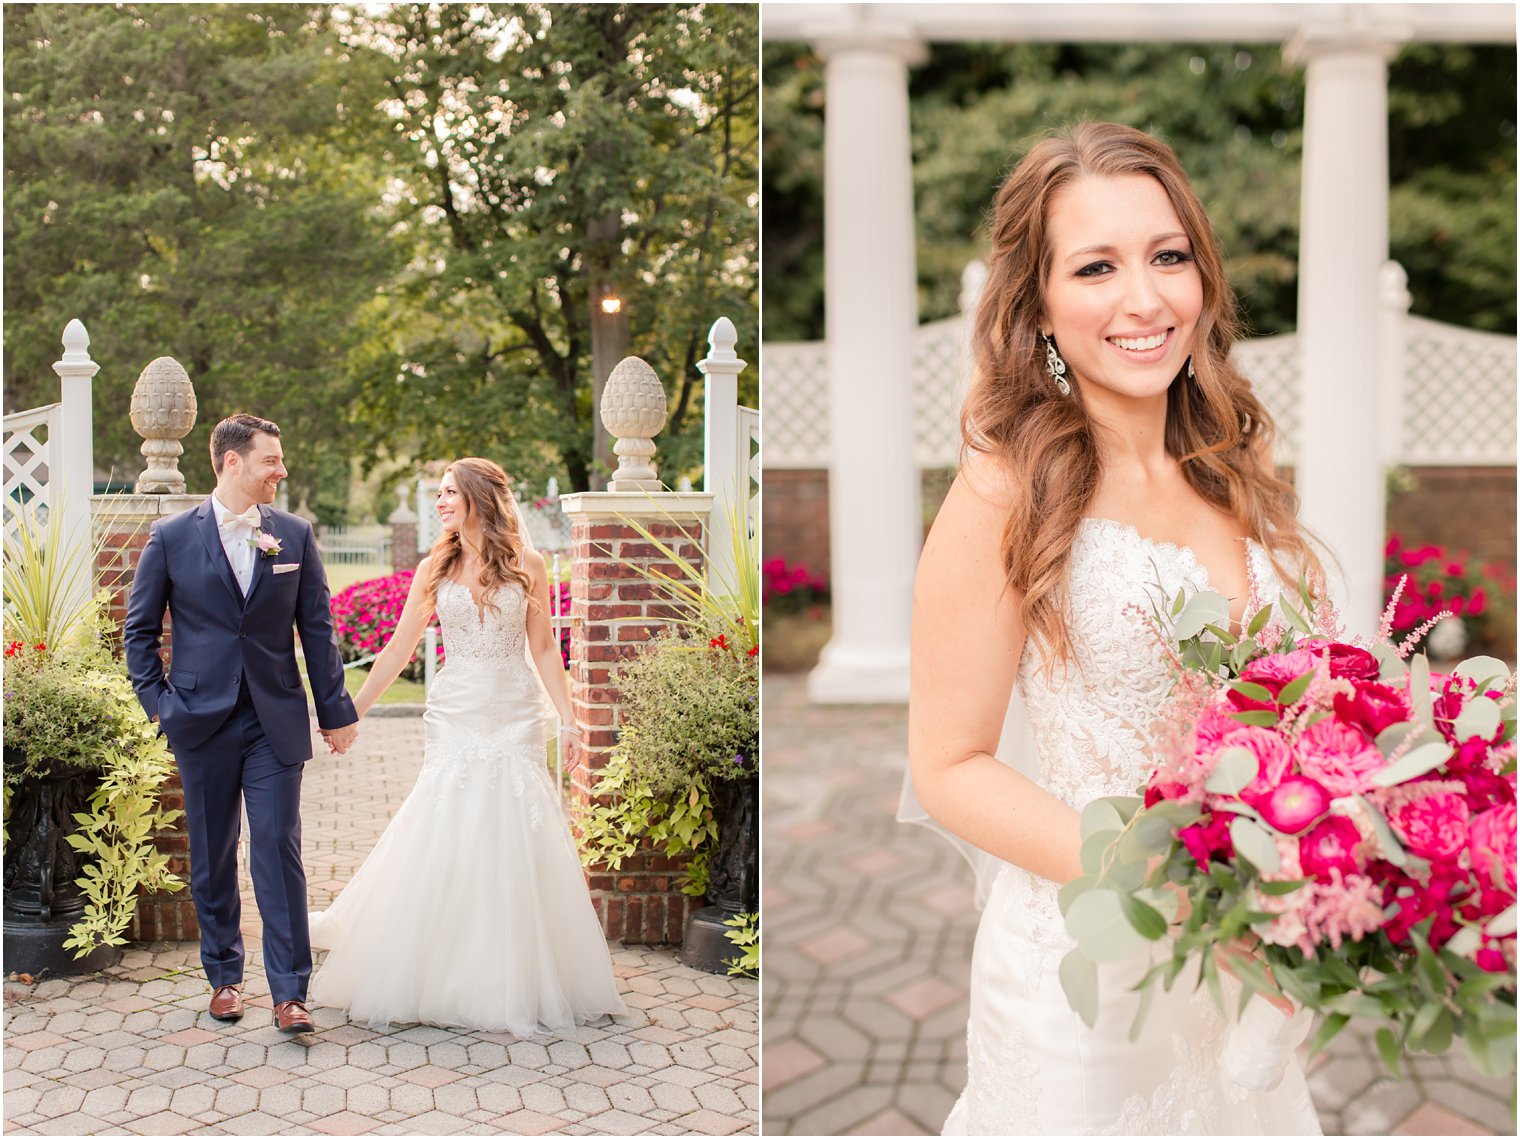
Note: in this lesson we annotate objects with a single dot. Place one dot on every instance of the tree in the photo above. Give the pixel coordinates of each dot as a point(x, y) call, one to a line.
point(180, 177)
point(540, 149)
point(1234, 113)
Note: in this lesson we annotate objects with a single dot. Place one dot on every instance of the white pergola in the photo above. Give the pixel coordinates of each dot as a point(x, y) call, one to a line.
point(870, 279)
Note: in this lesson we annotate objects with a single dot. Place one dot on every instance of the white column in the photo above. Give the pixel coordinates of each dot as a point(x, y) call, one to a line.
point(72, 452)
point(1343, 243)
point(875, 517)
point(721, 462)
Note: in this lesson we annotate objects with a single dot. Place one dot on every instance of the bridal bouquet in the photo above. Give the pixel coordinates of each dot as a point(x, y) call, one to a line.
point(1340, 810)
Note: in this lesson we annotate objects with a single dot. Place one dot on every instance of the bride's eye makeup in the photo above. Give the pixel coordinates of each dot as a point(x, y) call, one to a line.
point(1171, 258)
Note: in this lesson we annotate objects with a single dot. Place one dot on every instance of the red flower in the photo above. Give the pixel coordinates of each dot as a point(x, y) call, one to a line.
point(1206, 840)
point(755, 651)
point(1373, 708)
point(1331, 845)
point(718, 642)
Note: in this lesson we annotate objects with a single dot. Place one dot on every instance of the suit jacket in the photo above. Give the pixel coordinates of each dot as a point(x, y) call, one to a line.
point(221, 638)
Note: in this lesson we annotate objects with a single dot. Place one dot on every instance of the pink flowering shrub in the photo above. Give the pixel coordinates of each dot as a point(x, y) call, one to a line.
point(791, 587)
point(365, 616)
point(1439, 580)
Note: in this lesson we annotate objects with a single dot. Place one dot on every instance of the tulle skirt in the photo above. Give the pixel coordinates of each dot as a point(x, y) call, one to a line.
point(472, 909)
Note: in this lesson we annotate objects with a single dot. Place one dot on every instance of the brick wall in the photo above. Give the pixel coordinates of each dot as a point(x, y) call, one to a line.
point(614, 611)
point(123, 523)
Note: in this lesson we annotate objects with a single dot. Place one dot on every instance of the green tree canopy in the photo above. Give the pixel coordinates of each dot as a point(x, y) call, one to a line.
point(180, 178)
point(1234, 113)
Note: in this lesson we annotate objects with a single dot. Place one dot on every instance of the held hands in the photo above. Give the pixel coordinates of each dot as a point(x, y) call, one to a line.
point(339, 740)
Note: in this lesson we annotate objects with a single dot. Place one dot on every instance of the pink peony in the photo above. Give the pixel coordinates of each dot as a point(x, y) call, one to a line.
point(1490, 960)
point(1373, 708)
point(1294, 804)
point(1213, 726)
point(1209, 840)
point(1340, 757)
point(1331, 845)
point(1274, 762)
point(1273, 673)
point(1433, 827)
point(1492, 841)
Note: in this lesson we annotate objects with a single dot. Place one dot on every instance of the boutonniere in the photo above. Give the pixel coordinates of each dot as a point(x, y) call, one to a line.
point(267, 543)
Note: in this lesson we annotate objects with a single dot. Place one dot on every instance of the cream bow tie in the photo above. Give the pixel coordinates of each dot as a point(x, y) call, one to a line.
point(249, 518)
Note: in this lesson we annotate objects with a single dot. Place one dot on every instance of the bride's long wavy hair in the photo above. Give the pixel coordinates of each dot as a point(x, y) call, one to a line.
point(487, 493)
point(1215, 426)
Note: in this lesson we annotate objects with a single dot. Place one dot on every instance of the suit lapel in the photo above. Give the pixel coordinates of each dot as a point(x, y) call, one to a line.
point(212, 538)
point(260, 569)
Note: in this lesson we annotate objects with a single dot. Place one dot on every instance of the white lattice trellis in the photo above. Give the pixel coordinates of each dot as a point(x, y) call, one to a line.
point(27, 467)
point(1459, 403)
point(749, 438)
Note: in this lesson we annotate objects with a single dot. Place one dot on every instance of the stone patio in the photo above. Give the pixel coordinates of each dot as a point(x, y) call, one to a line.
point(868, 933)
point(131, 1050)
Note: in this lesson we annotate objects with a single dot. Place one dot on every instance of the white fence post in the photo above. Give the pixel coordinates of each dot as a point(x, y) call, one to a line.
point(1393, 331)
point(725, 468)
point(71, 466)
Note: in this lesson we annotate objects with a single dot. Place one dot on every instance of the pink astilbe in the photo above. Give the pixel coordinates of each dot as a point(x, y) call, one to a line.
point(1346, 907)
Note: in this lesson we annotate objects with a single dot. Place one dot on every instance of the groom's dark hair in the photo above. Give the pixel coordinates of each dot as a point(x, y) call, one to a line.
point(235, 433)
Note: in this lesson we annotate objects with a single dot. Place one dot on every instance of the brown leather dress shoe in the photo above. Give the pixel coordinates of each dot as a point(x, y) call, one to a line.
point(291, 1016)
point(227, 1002)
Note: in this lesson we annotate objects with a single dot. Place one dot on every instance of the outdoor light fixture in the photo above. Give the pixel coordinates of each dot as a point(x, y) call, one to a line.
point(611, 305)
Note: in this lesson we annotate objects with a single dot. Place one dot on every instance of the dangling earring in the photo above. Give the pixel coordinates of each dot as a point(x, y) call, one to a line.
point(1191, 375)
point(1055, 365)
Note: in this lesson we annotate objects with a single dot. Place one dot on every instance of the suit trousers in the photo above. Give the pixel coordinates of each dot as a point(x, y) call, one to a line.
point(237, 766)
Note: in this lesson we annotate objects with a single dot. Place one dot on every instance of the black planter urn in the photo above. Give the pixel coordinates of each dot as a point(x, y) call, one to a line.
point(733, 876)
point(42, 898)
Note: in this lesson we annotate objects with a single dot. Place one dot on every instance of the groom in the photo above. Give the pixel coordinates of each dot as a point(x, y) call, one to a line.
point(236, 575)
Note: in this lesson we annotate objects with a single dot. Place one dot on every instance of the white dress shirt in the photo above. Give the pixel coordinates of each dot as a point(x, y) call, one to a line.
point(235, 542)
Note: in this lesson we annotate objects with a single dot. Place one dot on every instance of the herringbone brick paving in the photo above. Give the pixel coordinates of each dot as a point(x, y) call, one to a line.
point(132, 1051)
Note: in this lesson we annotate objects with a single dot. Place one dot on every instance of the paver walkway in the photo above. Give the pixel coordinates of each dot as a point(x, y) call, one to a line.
point(868, 933)
point(132, 1050)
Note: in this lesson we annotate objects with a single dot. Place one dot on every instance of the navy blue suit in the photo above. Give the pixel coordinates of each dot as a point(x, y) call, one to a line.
point(234, 712)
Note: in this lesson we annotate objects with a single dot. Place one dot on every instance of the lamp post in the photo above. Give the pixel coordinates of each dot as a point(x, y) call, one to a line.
point(609, 344)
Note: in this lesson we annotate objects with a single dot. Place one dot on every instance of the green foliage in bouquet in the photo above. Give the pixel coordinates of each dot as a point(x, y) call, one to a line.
point(1140, 858)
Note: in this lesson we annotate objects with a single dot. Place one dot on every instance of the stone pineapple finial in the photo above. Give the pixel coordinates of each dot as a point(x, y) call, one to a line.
point(163, 411)
point(634, 411)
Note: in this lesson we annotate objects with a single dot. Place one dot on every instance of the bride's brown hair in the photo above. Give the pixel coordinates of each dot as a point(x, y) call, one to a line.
point(1215, 426)
point(487, 493)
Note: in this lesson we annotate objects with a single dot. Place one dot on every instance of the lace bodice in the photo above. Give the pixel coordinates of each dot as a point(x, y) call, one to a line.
point(477, 633)
point(1090, 721)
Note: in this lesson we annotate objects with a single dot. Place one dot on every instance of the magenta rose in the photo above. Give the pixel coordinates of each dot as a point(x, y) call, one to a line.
point(1208, 840)
point(1373, 707)
point(1330, 845)
point(1491, 838)
point(1158, 790)
point(1346, 661)
point(1294, 804)
point(1434, 827)
point(1431, 898)
point(1339, 756)
point(1273, 673)
point(1274, 762)
point(1490, 960)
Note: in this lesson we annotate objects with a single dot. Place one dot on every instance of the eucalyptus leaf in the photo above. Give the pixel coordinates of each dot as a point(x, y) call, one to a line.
point(1233, 771)
point(1097, 923)
point(1391, 738)
point(1253, 842)
point(1390, 666)
point(1251, 690)
point(1487, 672)
point(1095, 848)
point(1255, 718)
point(1419, 690)
point(1098, 816)
point(1388, 1049)
point(1479, 718)
point(1079, 981)
point(1259, 622)
point(1502, 924)
point(1222, 635)
point(1203, 608)
point(1293, 691)
point(1392, 849)
point(1426, 757)
point(1147, 921)
point(1067, 893)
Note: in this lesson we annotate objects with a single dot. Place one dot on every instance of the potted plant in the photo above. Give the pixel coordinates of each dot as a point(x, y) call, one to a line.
point(82, 768)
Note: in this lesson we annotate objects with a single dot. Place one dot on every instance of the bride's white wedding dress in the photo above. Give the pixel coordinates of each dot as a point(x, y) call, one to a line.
point(1033, 1067)
point(472, 910)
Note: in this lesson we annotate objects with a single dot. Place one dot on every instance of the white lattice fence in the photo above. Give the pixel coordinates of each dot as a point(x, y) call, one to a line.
point(796, 404)
point(1271, 364)
point(749, 457)
point(27, 461)
point(941, 372)
point(1459, 396)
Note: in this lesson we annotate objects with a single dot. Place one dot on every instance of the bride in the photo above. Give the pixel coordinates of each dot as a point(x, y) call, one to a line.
point(471, 910)
point(1111, 450)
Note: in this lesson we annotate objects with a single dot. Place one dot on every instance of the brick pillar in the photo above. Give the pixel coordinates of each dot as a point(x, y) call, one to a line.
point(403, 524)
point(614, 612)
point(122, 522)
